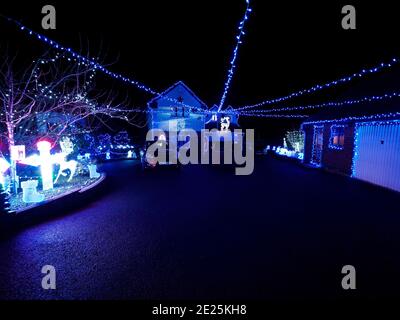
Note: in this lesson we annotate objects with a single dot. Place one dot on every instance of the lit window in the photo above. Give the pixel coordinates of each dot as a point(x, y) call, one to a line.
point(337, 138)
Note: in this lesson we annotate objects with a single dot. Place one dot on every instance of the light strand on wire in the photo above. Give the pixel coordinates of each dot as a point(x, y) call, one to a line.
point(93, 63)
point(330, 104)
point(287, 116)
point(231, 71)
point(315, 88)
point(378, 116)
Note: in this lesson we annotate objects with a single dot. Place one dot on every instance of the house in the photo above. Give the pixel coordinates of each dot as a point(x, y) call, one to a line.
point(177, 108)
point(360, 141)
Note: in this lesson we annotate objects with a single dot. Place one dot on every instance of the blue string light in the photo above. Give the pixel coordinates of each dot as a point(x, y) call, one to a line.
point(315, 88)
point(361, 118)
point(231, 71)
point(288, 116)
point(93, 63)
point(330, 104)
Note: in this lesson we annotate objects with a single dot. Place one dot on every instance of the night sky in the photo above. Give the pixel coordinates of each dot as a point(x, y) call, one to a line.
point(288, 46)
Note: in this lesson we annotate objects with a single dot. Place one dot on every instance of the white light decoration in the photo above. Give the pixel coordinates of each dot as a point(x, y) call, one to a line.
point(46, 161)
point(4, 165)
point(108, 157)
point(67, 148)
point(129, 154)
point(18, 153)
point(29, 192)
point(46, 164)
point(225, 123)
point(93, 171)
point(71, 165)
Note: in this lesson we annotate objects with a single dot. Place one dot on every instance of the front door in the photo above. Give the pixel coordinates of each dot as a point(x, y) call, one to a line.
point(316, 157)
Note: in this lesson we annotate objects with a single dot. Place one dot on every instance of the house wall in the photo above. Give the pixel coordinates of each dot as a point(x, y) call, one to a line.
point(166, 121)
point(336, 160)
point(339, 160)
point(164, 116)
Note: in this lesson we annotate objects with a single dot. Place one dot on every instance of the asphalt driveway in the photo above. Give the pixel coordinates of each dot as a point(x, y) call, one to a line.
point(282, 233)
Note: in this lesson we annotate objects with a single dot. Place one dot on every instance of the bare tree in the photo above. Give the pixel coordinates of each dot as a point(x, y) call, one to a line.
point(53, 96)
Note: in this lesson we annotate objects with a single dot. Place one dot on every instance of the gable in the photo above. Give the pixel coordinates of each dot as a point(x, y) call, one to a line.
point(179, 92)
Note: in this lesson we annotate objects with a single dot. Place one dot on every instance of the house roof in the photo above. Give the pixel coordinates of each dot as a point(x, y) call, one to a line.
point(179, 83)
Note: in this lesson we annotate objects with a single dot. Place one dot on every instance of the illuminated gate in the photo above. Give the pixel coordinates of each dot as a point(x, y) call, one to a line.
point(318, 140)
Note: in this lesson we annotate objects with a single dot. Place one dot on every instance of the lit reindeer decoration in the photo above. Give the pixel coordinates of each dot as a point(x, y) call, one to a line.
point(225, 123)
point(67, 148)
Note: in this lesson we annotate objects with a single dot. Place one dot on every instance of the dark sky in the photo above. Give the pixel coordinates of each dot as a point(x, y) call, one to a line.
point(288, 46)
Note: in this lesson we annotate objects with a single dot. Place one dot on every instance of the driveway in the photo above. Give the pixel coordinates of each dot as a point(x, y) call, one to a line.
point(284, 232)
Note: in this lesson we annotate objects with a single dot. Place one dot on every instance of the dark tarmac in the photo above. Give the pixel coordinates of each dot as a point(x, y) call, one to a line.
point(283, 233)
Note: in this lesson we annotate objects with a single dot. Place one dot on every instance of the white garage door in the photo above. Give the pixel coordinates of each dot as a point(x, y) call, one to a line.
point(377, 154)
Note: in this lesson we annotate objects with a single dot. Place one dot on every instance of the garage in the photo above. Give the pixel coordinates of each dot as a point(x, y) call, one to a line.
point(377, 153)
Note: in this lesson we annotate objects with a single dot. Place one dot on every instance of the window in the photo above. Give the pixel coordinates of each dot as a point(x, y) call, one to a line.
point(337, 137)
